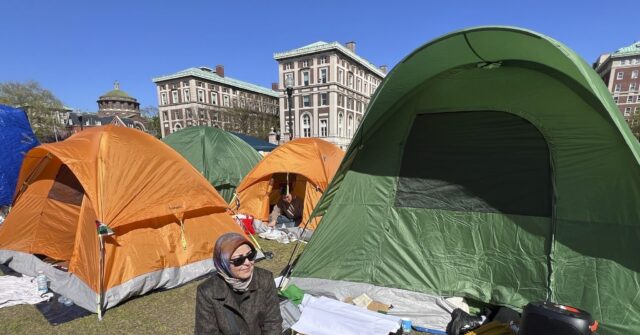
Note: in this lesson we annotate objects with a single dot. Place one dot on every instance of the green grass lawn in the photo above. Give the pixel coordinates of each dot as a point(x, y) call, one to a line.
point(166, 312)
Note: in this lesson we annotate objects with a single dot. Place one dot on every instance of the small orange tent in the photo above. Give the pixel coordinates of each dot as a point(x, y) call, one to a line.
point(308, 163)
point(164, 215)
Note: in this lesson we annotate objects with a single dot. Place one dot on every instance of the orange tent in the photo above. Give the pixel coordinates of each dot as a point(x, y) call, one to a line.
point(308, 163)
point(164, 215)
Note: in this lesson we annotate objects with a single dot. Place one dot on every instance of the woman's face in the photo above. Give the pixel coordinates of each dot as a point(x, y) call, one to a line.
point(245, 269)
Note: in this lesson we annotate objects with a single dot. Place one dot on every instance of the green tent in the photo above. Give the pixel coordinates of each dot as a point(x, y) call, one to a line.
point(223, 158)
point(493, 164)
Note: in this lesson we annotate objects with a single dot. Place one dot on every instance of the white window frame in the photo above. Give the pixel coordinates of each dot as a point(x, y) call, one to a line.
point(287, 66)
point(214, 98)
point(163, 98)
point(615, 99)
point(306, 103)
point(322, 60)
point(620, 75)
point(200, 96)
point(633, 86)
point(617, 88)
point(340, 123)
point(341, 76)
point(634, 74)
point(323, 76)
point(350, 126)
point(324, 99)
point(306, 78)
point(174, 94)
point(305, 125)
point(186, 95)
point(323, 127)
point(225, 99)
point(627, 111)
point(630, 99)
point(305, 63)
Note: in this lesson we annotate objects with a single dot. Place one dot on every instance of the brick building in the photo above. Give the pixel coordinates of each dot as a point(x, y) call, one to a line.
point(203, 96)
point(620, 71)
point(332, 86)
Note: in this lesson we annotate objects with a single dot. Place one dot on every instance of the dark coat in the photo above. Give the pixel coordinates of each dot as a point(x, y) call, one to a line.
point(258, 313)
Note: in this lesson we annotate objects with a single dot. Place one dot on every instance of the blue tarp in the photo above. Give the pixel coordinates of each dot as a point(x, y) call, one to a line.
point(256, 143)
point(16, 139)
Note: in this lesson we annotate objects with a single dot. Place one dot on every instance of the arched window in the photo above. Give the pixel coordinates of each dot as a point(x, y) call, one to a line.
point(350, 126)
point(306, 125)
point(340, 123)
point(177, 127)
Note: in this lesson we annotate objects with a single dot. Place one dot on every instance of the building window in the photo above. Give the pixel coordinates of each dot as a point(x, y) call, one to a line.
point(305, 78)
point(185, 84)
point(186, 97)
point(177, 127)
point(165, 115)
point(174, 94)
point(214, 98)
point(349, 103)
point(617, 88)
point(358, 84)
point(305, 63)
point(225, 100)
point(630, 99)
point(350, 79)
point(306, 125)
point(322, 60)
point(632, 86)
point(322, 78)
point(163, 98)
point(340, 76)
point(306, 101)
point(615, 99)
point(324, 128)
point(627, 111)
point(340, 123)
point(350, 126)
point(189, 114)
point(324, 99)
point(620, 75)
point(287, 66)
point(634, 74)
point(200, 96)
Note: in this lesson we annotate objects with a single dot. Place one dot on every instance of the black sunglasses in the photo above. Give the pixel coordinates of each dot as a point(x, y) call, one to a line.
point(240, 260)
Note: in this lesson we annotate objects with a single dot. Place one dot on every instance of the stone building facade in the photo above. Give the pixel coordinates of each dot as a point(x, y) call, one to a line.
point(203, 96)
point(620, 71)
point(331, 91)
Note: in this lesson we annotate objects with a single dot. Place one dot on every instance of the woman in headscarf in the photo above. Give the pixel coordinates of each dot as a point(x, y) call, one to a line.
point(239, 298)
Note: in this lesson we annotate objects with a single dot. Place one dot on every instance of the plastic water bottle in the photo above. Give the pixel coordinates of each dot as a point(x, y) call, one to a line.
point(41, 280)
point(65, 301)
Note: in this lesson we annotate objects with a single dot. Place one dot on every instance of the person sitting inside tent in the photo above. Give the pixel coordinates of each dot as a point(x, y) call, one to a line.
point(288, 211)
point(239, 298)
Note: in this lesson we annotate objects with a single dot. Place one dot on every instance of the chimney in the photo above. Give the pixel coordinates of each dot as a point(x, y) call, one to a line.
point(383, 68)
point(220, 70)
point(351, 46)
point(275, 86)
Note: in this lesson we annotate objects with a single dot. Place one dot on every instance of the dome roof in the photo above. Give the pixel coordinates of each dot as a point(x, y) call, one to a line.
point(116, 93)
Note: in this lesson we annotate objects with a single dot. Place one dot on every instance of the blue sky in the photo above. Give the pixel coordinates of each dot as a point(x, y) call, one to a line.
point(77, 49)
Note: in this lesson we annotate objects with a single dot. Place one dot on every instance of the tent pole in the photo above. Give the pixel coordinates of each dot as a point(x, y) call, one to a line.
point(295, 250)
point(100, 279)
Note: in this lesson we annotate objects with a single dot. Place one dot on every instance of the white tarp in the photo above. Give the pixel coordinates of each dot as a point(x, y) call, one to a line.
point(20, 290)
point(325, 316)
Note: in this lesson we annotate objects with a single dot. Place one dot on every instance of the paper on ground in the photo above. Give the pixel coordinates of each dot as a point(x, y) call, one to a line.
point(324, 316)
